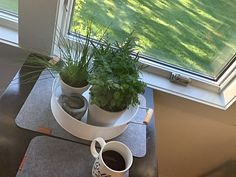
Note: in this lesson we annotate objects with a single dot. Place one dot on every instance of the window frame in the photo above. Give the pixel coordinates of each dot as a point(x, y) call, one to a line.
point(8, 28)
point(219, 94)
point(8, 20)
point(216, 86)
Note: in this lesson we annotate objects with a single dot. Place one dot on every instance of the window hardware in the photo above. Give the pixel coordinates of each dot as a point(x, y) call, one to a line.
point(66, 5)
point(179, 79)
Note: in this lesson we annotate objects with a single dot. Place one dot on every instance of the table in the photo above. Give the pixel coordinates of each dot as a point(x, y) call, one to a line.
point(14, 140)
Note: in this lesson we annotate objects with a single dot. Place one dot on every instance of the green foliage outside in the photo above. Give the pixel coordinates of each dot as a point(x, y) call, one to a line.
point(192, 34)
point(115, 76)
point(9, 5)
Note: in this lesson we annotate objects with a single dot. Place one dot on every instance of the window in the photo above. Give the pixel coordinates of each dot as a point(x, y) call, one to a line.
point(9, 6)
point(36, 30)
point(190, 35)
point(8, 16)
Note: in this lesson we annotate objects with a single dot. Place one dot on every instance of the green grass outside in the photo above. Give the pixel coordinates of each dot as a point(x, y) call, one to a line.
point(9, 5)
point(193, 34)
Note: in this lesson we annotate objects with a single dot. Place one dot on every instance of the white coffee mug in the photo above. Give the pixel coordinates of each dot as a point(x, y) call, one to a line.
point(101, 167)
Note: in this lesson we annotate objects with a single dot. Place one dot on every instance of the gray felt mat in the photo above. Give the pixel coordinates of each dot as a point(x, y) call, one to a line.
point(36, 115)
point(52, 157)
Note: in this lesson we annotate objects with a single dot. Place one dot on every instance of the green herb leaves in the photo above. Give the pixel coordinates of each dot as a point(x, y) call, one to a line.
point(115, 76)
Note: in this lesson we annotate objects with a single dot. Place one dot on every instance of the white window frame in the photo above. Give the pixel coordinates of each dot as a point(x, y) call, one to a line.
point(220, 94)
point(8, 28)
point(8, 20)
point(203, 90)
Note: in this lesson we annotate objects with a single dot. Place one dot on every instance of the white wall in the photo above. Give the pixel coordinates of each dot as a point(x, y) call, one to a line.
point(37, 19)
point(192, 138)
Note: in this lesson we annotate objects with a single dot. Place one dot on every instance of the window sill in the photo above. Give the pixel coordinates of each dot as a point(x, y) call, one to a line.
point(222, 100)
point(8, 36)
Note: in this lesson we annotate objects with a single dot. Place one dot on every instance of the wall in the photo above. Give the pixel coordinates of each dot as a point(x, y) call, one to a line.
point(37, 20)
point(11, 60)
point(192, 138)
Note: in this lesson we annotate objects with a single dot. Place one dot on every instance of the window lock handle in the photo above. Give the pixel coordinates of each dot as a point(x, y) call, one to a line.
point(179, 79)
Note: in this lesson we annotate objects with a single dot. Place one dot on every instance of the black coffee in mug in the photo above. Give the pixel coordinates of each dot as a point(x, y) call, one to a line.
point(114, 160)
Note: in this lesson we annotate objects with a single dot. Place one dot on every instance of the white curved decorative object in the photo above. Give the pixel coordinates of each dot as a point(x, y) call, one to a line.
point(80, 128)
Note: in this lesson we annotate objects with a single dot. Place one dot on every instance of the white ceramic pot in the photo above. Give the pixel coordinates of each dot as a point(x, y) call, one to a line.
point(68, 90)
point(100, 117)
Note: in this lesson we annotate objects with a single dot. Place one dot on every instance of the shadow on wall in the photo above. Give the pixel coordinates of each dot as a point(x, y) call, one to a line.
point(228, 169)
point(193, 139)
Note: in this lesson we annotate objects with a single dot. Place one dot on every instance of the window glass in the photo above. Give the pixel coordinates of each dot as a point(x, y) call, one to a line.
point(9, 6)
point(194, 35)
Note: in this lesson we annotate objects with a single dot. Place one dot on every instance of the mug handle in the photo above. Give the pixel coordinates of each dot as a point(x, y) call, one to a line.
point(93, 146)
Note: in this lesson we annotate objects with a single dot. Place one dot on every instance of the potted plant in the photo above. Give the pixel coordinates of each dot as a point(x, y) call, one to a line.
point(115, 82)
point(72, 64)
